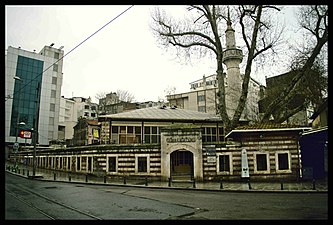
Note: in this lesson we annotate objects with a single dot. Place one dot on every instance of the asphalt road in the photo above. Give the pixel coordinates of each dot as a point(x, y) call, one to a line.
point(33, 199)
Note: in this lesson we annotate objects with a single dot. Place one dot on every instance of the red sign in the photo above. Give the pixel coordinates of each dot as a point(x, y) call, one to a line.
point(25, 134)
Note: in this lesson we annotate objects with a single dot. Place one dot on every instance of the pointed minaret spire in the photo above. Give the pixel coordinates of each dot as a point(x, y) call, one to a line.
point(230, 33)
point(229, 20)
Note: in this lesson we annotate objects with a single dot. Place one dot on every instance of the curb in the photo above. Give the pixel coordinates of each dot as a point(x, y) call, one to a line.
point(39, 178)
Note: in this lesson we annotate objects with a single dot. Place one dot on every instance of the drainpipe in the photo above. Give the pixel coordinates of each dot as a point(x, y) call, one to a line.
point(299, 167)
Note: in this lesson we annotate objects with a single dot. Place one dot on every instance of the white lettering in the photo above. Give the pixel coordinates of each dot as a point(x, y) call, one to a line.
point(182, 139)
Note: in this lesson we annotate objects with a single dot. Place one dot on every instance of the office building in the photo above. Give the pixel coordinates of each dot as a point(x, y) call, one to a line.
point(33, 90)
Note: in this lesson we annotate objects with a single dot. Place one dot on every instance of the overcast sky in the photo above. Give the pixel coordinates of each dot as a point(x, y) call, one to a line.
point(123, 55)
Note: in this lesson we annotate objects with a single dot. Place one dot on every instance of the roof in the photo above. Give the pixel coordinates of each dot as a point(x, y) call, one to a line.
point(317, 130)
point(92, 122)
point(267, 127)
point(163, 114)
point(85, 122)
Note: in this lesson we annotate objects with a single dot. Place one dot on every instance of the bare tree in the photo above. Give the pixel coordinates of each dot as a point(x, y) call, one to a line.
point(100, 96)
point(201, 34)
point(106, 99)
point(170, 90)
point(125, 96)
point(307, 60)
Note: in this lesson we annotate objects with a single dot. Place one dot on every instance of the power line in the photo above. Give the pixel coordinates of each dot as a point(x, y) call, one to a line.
point(8, 97)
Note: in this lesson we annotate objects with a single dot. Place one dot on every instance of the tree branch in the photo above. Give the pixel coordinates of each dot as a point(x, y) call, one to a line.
point(262, 50)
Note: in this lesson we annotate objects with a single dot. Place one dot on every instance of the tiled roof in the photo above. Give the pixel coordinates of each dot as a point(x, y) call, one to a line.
point(92, 122)
point(266, 126)
point(163, 114)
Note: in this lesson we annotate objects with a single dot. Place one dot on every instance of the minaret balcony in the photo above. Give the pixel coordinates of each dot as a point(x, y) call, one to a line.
point(232, 53)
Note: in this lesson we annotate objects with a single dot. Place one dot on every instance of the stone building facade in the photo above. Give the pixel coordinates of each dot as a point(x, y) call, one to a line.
point(162, 143)
point(273, 150)
point(86, 132)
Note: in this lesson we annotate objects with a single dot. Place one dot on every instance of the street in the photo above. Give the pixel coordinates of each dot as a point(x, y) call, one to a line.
point(33, 199)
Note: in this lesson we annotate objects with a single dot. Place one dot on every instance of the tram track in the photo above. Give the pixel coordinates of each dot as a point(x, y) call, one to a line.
point(18, 192)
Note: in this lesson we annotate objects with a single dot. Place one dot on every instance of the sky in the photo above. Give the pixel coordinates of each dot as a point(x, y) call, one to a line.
point(123, 55)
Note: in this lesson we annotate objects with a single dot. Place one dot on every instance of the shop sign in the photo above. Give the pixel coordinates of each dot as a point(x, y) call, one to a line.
point(25, 134)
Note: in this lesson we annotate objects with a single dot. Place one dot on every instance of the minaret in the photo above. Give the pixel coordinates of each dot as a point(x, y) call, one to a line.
point(232, 57)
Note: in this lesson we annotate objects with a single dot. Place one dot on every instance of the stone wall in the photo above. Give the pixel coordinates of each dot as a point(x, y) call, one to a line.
point(206, 158)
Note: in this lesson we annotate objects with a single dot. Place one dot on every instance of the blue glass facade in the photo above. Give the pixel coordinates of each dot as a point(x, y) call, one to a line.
point(30, 71)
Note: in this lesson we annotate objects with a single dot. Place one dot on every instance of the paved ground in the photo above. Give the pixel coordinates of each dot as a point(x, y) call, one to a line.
point(308, 186)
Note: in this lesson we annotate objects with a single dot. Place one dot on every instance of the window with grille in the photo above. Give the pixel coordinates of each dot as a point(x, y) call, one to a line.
point(142, 164)
point(112, 164)
point(261, 162)
point(78, 164)
point(212, 134)
point(283, 162)
point(224, 163)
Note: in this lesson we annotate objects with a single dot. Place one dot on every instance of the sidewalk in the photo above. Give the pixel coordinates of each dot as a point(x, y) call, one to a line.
point(61, 176)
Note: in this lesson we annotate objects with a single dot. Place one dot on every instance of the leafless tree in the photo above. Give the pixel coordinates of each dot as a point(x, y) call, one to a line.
point(170, 90)
point(114, 98)
point(101, 104)
point(200, 34)
point(125, 96)
point(309, 64)
point(100, 95)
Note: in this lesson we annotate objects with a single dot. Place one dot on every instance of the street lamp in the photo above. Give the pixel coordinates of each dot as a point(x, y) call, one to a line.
point(34, 136)
point(18, 114)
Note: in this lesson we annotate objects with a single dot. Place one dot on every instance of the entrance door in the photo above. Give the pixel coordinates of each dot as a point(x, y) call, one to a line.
point(181, 163)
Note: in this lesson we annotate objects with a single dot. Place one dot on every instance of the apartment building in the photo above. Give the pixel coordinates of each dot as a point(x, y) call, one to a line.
point(71, 110)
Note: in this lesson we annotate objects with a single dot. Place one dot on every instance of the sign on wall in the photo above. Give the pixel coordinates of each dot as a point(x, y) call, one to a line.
point(25, 134)
point(95, 133)
point(211, 159)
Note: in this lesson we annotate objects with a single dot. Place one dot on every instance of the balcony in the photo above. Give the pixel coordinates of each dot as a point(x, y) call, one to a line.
point(232, 53)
